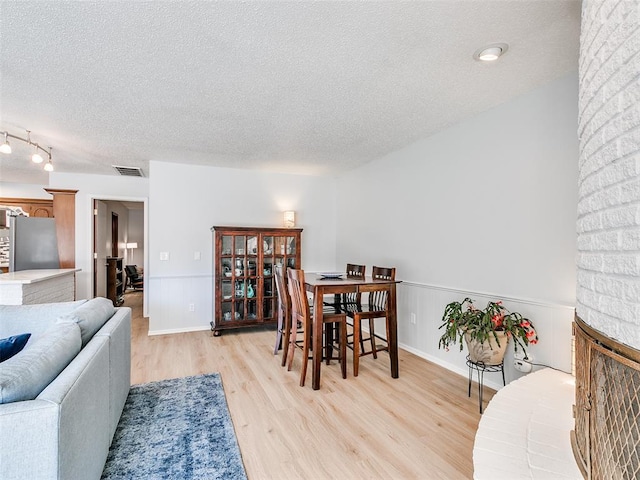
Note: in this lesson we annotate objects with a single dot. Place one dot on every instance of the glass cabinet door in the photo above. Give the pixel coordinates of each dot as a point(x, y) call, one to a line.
point(239, 276)
point(286, 251)
point(291, 249)
point(226, 283)
point(269, 294)
point(251, 278)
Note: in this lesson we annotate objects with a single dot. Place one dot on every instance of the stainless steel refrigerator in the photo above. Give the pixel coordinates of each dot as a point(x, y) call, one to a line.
point(33, 244)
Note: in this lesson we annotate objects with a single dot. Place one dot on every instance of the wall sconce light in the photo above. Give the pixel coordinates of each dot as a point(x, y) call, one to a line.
point(289, 219)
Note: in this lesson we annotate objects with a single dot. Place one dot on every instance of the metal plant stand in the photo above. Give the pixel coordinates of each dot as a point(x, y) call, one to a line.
point(481, 368)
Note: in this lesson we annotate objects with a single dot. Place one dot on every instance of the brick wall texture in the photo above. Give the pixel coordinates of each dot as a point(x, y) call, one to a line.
point(608, 290)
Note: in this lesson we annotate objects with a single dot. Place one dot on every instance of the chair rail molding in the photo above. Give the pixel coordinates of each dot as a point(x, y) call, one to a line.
point(424, 302)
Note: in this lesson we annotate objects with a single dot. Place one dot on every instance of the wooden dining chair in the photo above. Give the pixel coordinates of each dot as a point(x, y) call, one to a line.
point(376, 307)
point(284, 313)
point(353, 271)
point(348, 299)
point(301, 314)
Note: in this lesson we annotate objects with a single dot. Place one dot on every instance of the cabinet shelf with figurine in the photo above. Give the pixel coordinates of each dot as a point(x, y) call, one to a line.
point(244, 283)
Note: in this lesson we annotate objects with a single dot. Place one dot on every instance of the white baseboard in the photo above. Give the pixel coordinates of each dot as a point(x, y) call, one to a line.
point(177, 330)
point(464, 372)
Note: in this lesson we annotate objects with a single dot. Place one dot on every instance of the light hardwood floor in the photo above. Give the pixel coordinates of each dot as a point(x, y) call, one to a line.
point(418, 426)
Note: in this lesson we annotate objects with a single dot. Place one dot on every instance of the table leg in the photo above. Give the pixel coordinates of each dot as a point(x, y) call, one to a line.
point(393, 331)
point(317, 338)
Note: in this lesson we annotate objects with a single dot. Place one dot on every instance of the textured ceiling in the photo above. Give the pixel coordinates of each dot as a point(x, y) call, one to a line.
point(300, 87)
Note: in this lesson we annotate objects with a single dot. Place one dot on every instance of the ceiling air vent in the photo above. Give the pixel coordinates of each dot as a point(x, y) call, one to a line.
point(128, 171)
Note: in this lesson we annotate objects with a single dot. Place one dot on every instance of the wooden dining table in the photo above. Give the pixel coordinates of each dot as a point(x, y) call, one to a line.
point(321, 286)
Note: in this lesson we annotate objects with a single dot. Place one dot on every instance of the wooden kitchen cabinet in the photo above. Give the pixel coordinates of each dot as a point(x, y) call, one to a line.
point(34, 207)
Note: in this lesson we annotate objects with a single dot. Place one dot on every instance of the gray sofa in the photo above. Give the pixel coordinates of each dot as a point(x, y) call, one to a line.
point(61, 397)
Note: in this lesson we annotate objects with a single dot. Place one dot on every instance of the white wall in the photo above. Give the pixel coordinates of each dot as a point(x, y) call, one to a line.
point(486, 206)
point(135, 231)
point(187, 200)
point(24, 190)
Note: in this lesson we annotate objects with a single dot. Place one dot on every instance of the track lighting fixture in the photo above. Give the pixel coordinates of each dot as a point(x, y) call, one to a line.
point(5, 147)
point(49, 166)
point(36, 158)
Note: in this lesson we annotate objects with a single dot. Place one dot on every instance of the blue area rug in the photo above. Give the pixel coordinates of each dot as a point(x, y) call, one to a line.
point(175, 429)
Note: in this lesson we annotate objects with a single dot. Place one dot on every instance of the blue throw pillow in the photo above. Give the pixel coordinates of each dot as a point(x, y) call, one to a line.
point(12, 345)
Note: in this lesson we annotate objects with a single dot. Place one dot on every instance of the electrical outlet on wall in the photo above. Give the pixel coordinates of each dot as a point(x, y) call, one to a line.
point(522, 362)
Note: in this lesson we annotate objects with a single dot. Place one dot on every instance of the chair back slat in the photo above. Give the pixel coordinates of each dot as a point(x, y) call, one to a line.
point(284, 300)
point(379, 297)
point(284, 312)
point(383, 273)
point(353, 271)
point(299, 301)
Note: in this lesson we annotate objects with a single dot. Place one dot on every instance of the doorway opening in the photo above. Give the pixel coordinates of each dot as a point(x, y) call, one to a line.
point(117, 224)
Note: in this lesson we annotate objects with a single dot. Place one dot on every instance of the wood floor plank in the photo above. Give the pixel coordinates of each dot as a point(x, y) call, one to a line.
point(419, 426)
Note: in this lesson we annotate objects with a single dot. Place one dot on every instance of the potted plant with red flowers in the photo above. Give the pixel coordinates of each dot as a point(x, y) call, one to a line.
point(485, 331)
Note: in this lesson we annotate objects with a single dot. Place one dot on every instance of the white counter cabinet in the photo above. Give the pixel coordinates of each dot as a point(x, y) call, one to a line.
point(29, 287)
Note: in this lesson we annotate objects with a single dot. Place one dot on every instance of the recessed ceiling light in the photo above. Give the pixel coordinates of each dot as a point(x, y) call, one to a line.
point(491, 53)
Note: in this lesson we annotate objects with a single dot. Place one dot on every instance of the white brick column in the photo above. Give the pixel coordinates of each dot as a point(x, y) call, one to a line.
point(608, 225)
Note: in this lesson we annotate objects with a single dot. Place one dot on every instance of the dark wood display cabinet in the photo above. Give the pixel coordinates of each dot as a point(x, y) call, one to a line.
point(244, 283)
